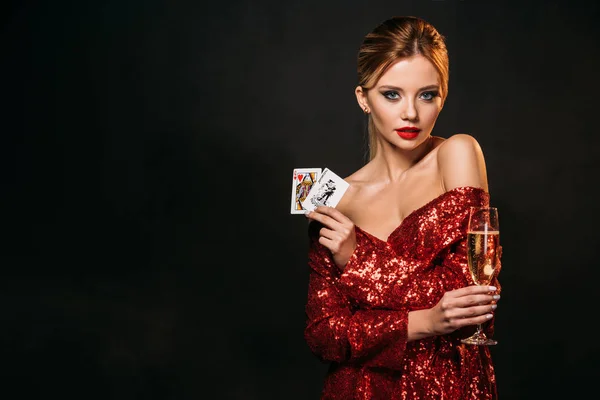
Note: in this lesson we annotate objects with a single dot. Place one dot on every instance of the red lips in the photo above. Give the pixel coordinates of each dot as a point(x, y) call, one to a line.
point(408, 132)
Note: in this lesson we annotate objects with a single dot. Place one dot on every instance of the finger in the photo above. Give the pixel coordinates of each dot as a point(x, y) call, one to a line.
point(328, 243)
point(328, 233)
point(471, 312)
point(324, 219)
point(474, 300)
point(473, 289)
point(462, 322)
point(334, 214)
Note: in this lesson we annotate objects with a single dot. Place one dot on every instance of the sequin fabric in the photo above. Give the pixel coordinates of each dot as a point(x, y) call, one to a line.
point(357, 318)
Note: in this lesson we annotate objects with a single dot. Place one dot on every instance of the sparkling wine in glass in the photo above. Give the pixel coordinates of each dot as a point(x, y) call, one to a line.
point(483, 240)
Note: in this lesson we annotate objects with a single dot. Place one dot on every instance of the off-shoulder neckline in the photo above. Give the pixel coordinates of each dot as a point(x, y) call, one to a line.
point(416, 211)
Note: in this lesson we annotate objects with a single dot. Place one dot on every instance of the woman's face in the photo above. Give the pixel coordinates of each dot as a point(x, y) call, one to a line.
point(405, 102)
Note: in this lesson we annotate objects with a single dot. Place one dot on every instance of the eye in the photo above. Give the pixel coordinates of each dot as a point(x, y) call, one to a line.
point(428, 96)
point(391, 95)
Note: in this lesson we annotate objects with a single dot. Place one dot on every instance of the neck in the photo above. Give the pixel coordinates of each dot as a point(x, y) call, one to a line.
point(394, 162)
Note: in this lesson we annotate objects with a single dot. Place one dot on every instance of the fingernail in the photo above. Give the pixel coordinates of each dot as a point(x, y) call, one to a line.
point(496, 297)
point(492, 288)
point(489, 316)
point(494, 306)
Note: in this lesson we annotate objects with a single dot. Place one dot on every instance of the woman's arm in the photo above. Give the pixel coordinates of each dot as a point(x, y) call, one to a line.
point(377, 277)
point(461, 163)
point(336, 330)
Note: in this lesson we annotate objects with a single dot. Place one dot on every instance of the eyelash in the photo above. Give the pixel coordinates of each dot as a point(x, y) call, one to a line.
point(388, 94)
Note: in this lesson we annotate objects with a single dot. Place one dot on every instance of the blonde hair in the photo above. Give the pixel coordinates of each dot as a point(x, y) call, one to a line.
point(392, 40)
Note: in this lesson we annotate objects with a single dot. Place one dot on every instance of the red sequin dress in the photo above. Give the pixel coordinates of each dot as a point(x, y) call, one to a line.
point(357, 319)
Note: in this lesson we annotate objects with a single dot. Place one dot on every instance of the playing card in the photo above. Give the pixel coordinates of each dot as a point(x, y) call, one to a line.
point(328, 191)
point(303, 180)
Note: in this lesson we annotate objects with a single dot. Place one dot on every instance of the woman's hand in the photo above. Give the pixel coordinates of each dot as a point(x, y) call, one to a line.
point(462, 307)
point(338, 233)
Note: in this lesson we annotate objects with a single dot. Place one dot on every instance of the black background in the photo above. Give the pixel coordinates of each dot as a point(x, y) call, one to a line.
point(147, 150)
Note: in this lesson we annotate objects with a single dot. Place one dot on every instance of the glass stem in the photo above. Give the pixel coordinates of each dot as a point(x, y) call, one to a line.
point(479, 331)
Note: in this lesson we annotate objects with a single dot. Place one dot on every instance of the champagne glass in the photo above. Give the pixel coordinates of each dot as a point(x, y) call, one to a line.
point(483, 240)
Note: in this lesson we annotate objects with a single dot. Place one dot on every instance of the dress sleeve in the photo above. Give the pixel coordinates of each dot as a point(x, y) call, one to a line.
point(337, 330)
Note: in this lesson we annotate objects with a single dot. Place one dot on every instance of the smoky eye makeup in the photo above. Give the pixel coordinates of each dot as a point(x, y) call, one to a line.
point(395, 95)
point(430, 95)
point(391, 95)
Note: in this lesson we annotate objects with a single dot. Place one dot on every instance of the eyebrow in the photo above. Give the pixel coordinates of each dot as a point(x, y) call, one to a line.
point(400, 89)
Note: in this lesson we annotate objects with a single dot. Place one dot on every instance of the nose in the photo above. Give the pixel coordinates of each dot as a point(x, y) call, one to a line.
point(409, 110)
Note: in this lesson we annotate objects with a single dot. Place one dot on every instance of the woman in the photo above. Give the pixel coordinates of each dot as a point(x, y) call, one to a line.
point(390, 295)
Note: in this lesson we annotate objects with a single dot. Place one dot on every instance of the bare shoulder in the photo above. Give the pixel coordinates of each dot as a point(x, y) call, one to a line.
point(461, 162)
point(459, 146)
